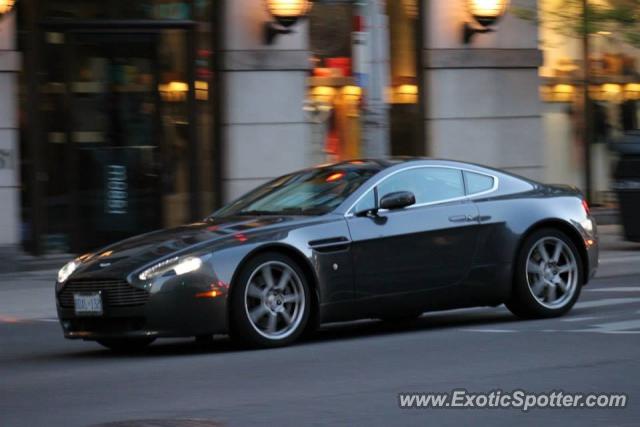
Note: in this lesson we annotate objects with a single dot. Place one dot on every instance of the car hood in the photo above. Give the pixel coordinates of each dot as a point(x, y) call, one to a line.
point(124, 257)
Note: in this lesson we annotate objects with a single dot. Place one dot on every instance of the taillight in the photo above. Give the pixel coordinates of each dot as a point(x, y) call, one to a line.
point(585, 205)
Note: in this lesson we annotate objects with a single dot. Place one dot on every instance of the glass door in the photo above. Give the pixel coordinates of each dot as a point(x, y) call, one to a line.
point(123, 146)
point(114, 136)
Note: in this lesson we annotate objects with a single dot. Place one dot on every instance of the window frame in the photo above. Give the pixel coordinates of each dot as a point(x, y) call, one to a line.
point(494, 183)
point(374, 187)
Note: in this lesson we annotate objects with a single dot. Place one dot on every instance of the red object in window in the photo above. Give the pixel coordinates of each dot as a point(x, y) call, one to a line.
point(321, 72)
point(358, 23)
point(341, 63)
point(332, 143)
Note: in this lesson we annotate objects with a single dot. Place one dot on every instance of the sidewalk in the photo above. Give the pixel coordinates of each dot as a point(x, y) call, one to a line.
point(12, 260)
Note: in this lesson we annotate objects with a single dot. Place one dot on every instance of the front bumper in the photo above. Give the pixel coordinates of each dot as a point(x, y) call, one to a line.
point(171, 310)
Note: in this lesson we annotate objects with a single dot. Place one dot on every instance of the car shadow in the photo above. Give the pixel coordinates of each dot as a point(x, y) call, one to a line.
point(362, 329)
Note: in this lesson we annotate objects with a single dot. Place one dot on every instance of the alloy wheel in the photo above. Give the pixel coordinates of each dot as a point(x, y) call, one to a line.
point(274, 300)
point(552, 272)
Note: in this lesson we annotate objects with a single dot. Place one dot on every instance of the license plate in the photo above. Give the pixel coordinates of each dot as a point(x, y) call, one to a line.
point(88, 304)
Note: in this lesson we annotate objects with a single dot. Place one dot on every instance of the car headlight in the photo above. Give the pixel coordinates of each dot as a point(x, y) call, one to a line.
point(177, 265)
point(67, 270)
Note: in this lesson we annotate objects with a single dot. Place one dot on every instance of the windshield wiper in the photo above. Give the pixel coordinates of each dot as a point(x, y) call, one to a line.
point(256, 212)
point(303, 211)
point(285, 211)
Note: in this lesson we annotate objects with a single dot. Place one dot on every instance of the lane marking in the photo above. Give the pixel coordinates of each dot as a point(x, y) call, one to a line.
point(579, 319)
point(13, 319)
point(599, 331)
point(619, 326)
point(606, 302)
point(619, 260)
point(616, 289)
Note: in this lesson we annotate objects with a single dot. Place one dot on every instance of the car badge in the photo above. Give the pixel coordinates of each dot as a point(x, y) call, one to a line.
point(104, 264)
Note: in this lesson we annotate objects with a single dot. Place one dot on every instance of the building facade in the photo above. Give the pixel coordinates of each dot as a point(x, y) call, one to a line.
point(9, 146)
point(136, 116)
point(614, 90)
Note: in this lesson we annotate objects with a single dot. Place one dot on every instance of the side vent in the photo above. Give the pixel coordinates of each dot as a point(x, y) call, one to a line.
point(332, 244)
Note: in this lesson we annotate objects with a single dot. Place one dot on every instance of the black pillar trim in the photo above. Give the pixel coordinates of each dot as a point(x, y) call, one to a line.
point(34, 132)
point(217, 97)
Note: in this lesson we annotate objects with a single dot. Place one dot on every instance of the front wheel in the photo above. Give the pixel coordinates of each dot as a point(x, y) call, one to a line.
point(548, 276)
point(270, 303)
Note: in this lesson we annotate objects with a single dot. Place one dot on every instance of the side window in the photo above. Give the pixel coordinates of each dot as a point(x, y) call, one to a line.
point(428, 184)
point(478, 183)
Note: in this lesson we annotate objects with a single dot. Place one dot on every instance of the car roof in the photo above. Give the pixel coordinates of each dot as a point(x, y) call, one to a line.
point(381, 164)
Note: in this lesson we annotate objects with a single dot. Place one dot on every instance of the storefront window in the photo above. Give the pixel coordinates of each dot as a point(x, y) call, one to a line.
point(341, 83)
point(127, 120)
point(614, 68)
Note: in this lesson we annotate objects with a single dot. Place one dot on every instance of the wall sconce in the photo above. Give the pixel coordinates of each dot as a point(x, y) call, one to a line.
point(607, 92)
point(202, 90)
point(285, 14)
point(6, 6)
point(324, 94)
point(557, 93)
point(611, 91)
point(632, 91)
point(352, 93)
point(411, 8)
point(486, 13)
point(405, 94)
point(174, 91)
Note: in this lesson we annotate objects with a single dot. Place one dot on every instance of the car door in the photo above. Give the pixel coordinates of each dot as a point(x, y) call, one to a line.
point(424, 247)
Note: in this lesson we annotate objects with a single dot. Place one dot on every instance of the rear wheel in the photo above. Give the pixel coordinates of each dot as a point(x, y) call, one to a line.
point(548, 276)
point(126, 345)
point(270, 302)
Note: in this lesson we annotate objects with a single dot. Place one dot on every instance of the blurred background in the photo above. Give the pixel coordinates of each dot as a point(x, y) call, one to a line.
point(120, 117)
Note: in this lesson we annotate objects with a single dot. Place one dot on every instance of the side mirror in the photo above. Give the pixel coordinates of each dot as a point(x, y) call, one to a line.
point(397, 200)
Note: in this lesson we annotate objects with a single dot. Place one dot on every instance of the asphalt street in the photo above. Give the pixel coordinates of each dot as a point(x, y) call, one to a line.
point(348, 374)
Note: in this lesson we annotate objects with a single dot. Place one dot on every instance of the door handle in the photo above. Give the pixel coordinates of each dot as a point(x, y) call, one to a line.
point(463, 218)
point(458, 218)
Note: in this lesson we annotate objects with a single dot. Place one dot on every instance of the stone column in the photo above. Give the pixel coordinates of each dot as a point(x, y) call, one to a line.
point(9, 156)
point(482, 102)
point(265, 130)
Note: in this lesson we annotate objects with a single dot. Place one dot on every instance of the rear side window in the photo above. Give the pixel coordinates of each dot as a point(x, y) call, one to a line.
point(478, 183)
point(428, 184)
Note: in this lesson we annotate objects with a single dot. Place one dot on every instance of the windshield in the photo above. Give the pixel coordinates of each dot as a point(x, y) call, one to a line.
point(310, 192)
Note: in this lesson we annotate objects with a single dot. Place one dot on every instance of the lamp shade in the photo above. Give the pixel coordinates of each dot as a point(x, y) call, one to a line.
point(287, 12)
point(487, 12)
point(632, 91)
point(411, 8)
point(6, 6)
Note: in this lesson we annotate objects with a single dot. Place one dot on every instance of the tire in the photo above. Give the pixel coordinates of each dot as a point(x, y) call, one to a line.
point(126, 345)
point(270, 302)
point(548, 276)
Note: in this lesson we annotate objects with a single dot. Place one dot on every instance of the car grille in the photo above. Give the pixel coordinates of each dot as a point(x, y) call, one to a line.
point(115, 293)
